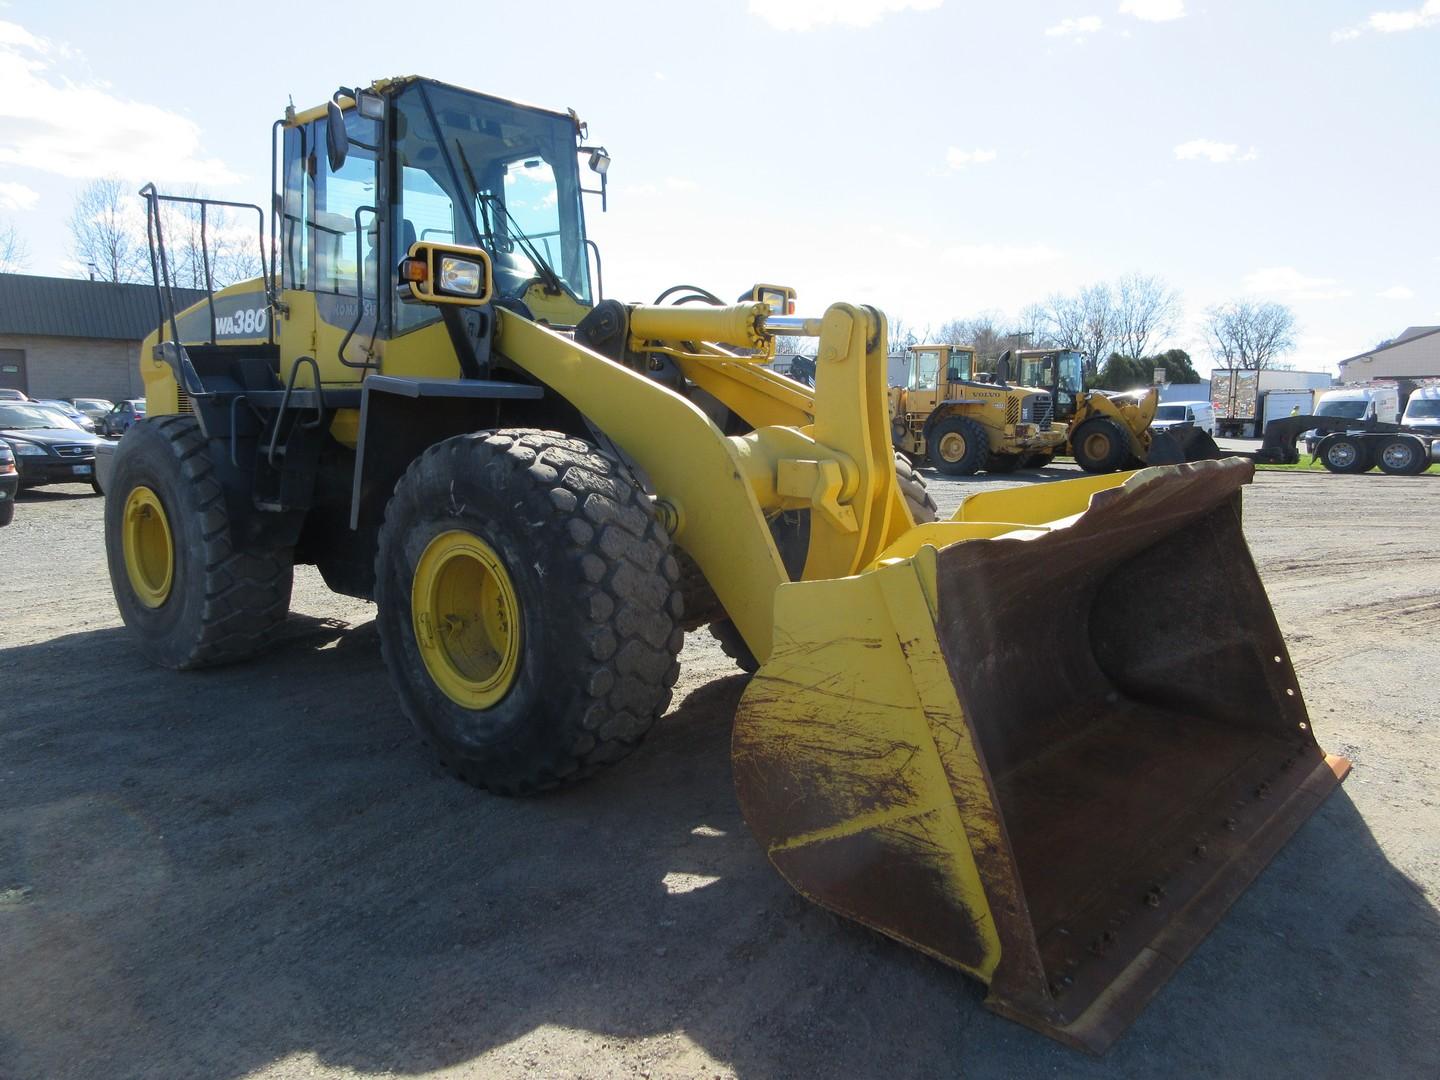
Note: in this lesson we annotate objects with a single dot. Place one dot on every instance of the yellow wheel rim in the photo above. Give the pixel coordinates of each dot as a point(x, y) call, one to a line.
point(148, 547)
point(467, 619)
point(952, 446)
point(1097, 446)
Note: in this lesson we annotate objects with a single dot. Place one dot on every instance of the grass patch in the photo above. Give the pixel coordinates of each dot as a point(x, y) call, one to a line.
point(1306, 465)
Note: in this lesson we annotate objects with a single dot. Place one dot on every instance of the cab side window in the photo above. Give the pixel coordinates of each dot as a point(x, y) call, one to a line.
point(343, 210)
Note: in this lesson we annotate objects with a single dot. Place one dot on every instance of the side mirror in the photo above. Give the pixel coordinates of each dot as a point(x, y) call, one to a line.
point(337, 143)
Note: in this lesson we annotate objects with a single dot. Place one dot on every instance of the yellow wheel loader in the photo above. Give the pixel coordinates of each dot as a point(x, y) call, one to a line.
point(961, 425)
point(1047, 741)
point(1106, 432)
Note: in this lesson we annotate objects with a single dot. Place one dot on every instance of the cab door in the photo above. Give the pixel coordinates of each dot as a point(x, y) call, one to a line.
point(331, 240)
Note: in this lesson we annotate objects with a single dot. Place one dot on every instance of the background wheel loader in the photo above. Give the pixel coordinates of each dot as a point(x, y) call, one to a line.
point(1106, 431)
point(961, 425)
point(976, 736)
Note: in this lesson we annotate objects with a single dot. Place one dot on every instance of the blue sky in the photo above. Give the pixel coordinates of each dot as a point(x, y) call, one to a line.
point(934, 158)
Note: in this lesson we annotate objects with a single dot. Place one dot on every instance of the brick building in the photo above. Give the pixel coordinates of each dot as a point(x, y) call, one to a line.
point(66, 337)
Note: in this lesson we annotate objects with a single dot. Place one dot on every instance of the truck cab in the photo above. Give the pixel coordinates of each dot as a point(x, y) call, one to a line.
point(1422, 411)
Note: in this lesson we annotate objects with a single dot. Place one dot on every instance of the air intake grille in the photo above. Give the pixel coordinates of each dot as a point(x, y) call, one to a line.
point(182, 401)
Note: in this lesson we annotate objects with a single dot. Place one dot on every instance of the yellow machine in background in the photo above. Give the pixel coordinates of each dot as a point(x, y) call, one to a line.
point(1047, 741)
point(962, 425)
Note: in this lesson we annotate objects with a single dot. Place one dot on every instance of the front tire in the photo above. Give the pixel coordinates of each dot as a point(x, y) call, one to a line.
point(528, 608)
point(192, 596)
point(958, 446)
point(1099, 446)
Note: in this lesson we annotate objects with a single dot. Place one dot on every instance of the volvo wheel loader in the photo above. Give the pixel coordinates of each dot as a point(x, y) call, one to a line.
point(962, 425)
point(1047, 741)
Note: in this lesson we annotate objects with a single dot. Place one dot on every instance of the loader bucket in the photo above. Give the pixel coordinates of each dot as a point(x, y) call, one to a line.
point(1049, 742)
point(1184, 442)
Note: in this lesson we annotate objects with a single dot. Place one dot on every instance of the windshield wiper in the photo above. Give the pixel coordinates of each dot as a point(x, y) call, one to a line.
point(547, 274)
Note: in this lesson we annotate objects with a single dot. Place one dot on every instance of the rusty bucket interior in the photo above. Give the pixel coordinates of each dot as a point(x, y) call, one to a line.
point(1125, 748)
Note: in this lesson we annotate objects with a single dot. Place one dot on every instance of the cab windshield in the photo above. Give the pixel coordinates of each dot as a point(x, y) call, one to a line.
point(1170, 412)
point(1426, 407)
point(478, 171)
point(1349, 410)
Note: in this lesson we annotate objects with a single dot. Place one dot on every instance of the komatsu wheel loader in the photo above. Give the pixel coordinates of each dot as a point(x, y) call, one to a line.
point(991, 737)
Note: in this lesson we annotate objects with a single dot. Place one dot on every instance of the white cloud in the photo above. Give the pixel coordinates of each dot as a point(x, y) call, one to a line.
point(1396, 292)
point(1154, 10)
point(1287, 283)
point(811, 14)
point(54, 119)
point(959, 159)
point(1076, 28)
point(1393, 22)
point(17, 197)
point(1001, 255)
point(1217, 153)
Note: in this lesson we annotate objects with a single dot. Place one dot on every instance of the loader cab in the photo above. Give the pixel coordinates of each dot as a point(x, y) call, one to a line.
point(420, 160)
point(1060, 371)
point(934, 369)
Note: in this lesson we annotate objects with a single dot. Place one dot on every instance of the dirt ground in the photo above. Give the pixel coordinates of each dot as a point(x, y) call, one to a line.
point(256, 871)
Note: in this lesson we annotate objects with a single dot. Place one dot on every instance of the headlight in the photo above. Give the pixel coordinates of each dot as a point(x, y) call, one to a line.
point(460, 276)
point(25, 449)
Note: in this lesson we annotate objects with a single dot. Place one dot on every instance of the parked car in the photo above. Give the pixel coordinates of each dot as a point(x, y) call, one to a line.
point(1171, 413)
point(93, 407)
point(10, 394)
point(85, 423)
point(120, 418)
point(9, 483)
point(48, 447)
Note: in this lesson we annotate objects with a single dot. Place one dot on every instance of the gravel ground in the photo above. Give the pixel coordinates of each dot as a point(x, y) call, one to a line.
point(257, 872)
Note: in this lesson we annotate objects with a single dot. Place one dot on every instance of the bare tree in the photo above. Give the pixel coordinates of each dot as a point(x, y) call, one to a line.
point(1065, 321)
point(14, 254)
point(1034, 324)
point(104, 232)
point(903, 334)
point(1097, 324)
point(1249, 333)
point(986, 333)
point(1146, 309)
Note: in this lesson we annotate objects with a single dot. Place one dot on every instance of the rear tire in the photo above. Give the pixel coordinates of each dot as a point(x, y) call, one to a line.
point(215, 603)
point(1100, 446)
point(1402, 456)
point(593, 599)
point(958, 446)
point(1344, 454)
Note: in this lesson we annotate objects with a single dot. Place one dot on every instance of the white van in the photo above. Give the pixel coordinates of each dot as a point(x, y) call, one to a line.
point(1422, 411)
point(1171, 413)
point(1356, 403)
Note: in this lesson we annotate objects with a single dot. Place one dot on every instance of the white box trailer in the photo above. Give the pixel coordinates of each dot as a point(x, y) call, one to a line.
point(1238, 395)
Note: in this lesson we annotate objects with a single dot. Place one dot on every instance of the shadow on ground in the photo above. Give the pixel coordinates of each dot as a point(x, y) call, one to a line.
point(205, 874)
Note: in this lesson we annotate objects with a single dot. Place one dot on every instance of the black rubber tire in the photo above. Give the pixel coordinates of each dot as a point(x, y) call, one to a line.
point(1003, 463)
point(1111, 453)
point(598, 593)
point(917, 495)
point(96, 488)
point(1344, 454)
point(977, 446)
point(7, 511)
point(922, 509)
point(225, 603)
point(1403, 455)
